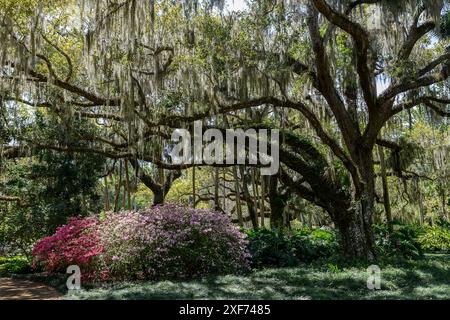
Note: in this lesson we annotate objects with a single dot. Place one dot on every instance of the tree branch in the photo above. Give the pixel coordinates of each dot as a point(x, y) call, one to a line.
point(427, 101)
point(326, 84)
point(361, 41)
point(423, 81)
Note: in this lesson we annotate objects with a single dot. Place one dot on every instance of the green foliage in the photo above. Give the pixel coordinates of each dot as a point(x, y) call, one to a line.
point(435, 238)
point(410, 241)
point(276, 248)
point(333, 268)
point(14, 265)
point(54, 186)
point(342, 174)
point(71, 189)
point(401, 243)
point(315, 244)
point(271, 248)
point(403, 159)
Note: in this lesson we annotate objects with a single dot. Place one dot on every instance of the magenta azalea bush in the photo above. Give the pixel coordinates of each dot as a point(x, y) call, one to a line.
point(169, 241)
point(76, 243)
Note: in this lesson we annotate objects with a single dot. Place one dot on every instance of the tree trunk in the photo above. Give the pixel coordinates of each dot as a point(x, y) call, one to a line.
point(248, 199)
point(262, 206)
point(386, 201)
point(158, 197)
point(193, 187)
point(444, 205)
point(159, 190)
point(216, 190)
point(416, 184)
point(356, 235)
point(255, 195)
point(238, 197)
point(277, 211)
point(355, 226)
point(128, 187)
point(118, 186)
point(106, 195)
point(421, 207)
point(277, 204)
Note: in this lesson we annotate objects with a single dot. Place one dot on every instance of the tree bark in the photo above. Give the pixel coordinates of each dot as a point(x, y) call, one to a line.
point(238, 197)
point(118, 187)
point(386, 201)
point(421, 207)
point(127, 180)
point(356, 234)
point(277, 202)
point(355, 227)
point(106, 195)
point(262, 206)
point(216, 190)
point(158, 197)
point(248, 199)
point(159, 191)
point(194, 192)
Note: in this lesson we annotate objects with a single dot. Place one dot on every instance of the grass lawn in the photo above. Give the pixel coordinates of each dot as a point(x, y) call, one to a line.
point(428, 278)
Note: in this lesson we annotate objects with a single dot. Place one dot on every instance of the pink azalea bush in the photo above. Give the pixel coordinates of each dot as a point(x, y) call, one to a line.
point(172, 242)
point(76, 243)
point(162, 242)
point(121, 233)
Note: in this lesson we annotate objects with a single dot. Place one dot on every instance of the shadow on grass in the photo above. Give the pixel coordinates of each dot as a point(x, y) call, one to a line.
point(423, 279)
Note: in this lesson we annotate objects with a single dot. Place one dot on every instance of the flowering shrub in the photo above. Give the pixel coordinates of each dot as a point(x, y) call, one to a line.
point(161, 242)
point(122, 236)
point(172, 242)
point(76, 243)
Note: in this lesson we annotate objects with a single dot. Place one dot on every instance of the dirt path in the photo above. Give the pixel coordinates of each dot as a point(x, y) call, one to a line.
point(15, 289)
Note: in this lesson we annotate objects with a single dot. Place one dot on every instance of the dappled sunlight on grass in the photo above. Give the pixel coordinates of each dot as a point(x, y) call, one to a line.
point(423, 279)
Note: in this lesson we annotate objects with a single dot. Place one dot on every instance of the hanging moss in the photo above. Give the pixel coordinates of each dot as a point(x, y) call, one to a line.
point(400, 160)
point(445, 25)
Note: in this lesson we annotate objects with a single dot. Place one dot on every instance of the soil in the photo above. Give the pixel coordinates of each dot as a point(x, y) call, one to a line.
point(16, 289)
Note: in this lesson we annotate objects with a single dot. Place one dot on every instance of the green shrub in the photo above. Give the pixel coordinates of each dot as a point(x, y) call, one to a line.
point(314, 245)
point(401, 243)
point(275, 248)
point(270, 248)
point(14, 265)
point(435, 238)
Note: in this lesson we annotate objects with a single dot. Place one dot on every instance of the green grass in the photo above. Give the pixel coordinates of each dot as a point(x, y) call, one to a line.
point(428, 278)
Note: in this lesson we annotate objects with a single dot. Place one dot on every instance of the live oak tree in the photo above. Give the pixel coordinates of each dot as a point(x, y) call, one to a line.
point(315, 57)
point(321, 71)
point(50, 61)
